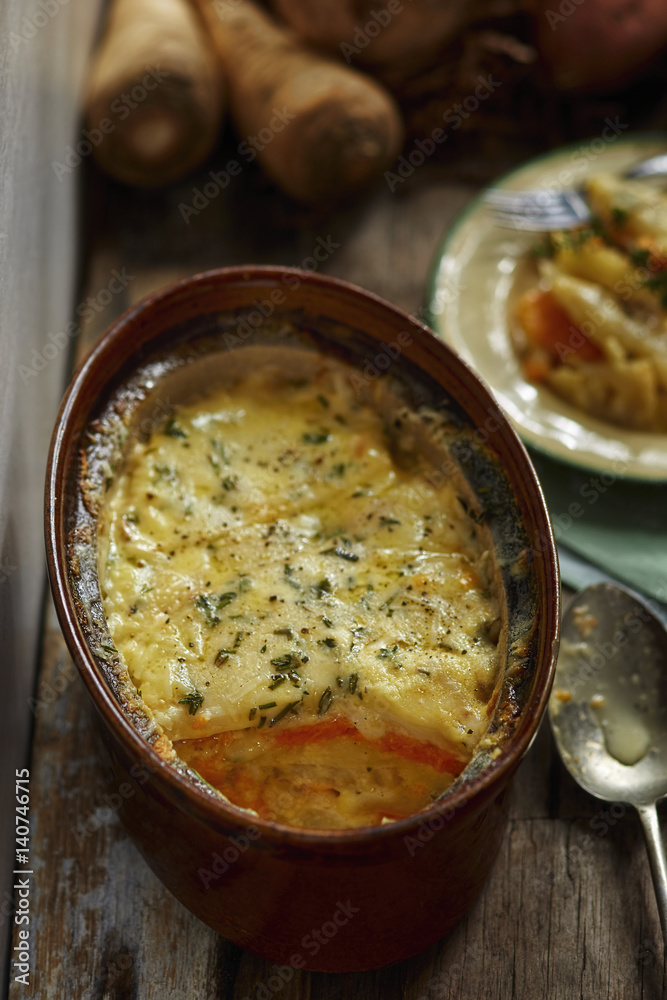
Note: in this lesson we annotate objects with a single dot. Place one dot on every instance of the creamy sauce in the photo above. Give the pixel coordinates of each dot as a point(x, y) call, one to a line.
point(268, 568)
point(626, 737)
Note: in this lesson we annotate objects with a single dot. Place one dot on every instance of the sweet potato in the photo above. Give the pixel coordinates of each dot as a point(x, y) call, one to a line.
point(319, 129)
point(155, 94)
point(391, 743)
point(549, 328)
point(598, 44)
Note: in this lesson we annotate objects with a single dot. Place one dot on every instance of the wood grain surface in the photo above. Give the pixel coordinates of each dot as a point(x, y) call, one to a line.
point(568, 911)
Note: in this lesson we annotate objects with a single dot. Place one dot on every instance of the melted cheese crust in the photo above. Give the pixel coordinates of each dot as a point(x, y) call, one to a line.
point(264, 561)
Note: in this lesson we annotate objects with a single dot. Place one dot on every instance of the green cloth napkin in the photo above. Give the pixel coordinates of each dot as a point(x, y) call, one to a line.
point(619, 525)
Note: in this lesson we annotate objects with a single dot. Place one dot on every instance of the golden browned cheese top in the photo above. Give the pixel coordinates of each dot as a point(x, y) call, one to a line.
point(265, 559)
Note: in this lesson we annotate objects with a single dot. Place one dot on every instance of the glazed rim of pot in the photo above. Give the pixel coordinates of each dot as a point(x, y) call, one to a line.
point(178, 324)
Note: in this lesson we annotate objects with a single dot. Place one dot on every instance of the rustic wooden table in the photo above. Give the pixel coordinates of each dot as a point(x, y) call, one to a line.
point(568, 910)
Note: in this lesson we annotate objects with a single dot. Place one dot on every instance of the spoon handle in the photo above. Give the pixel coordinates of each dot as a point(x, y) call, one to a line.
point(657, 859)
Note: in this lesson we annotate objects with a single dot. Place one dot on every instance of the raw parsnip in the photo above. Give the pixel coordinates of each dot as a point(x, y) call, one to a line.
point(380, 34)
point(155, 94)
point(320, 129)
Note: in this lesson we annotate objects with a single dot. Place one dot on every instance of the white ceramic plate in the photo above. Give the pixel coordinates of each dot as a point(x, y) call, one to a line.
point(478, 274)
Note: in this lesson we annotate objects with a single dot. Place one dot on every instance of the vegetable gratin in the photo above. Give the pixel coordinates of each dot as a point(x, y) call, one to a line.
point(308, 608)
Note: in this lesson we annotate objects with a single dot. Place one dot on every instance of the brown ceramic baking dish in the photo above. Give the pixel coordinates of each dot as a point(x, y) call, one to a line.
point(326, 900)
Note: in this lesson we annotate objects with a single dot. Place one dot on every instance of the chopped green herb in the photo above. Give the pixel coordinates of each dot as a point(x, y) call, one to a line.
point(658, 284)
point(352, 683)
point(251, 714)
point(284, 631)
point(278, 679)
point(262, 721)
point(221, 658)
point(338, 471)
point(389, 600)
point(283, 712)
point(263, 649)
point(269, 704)
point(109, 648)
point(286, 660)
point(219, 447)
point(640, 257)
point(576, 238)
point(194, 700)
point(342, 553)
point(386, 654)
point(329, 624)
point(164, 472)
point(174, 429)
point(316, 437)
point(230, 483)
point(328, 641)
point(323, 587)
point(289, 573)
point(541, 250)
point(385, 521)
point(619, 216)
point(323, 401)
point(210, 604)
point(325, 702)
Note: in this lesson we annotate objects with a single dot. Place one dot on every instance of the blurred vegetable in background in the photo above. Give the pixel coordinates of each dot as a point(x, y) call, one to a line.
point(294, 74)
point(595, 44)
point(155, 80)
point(320, 129)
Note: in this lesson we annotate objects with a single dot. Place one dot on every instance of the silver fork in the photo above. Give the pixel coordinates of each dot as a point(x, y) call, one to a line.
point(541, 210)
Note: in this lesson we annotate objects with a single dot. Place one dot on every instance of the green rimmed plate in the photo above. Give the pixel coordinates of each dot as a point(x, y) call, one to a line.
point(477, 275)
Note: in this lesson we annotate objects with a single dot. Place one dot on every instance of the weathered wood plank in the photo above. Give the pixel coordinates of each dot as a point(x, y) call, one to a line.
point(567, 911)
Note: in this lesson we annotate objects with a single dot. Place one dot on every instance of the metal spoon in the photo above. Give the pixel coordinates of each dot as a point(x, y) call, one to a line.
point(608, 709)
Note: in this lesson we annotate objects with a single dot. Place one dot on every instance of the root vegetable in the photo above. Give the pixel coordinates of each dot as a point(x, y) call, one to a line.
point(155, 92)
point(391, 34)
point(599, 44)
point(319, 129)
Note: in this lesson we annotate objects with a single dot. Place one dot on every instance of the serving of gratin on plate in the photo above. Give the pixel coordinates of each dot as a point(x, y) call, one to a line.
point(570, 331)
point(595, 329)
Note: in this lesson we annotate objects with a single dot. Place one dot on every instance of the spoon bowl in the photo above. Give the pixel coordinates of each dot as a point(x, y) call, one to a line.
point(608, 708)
